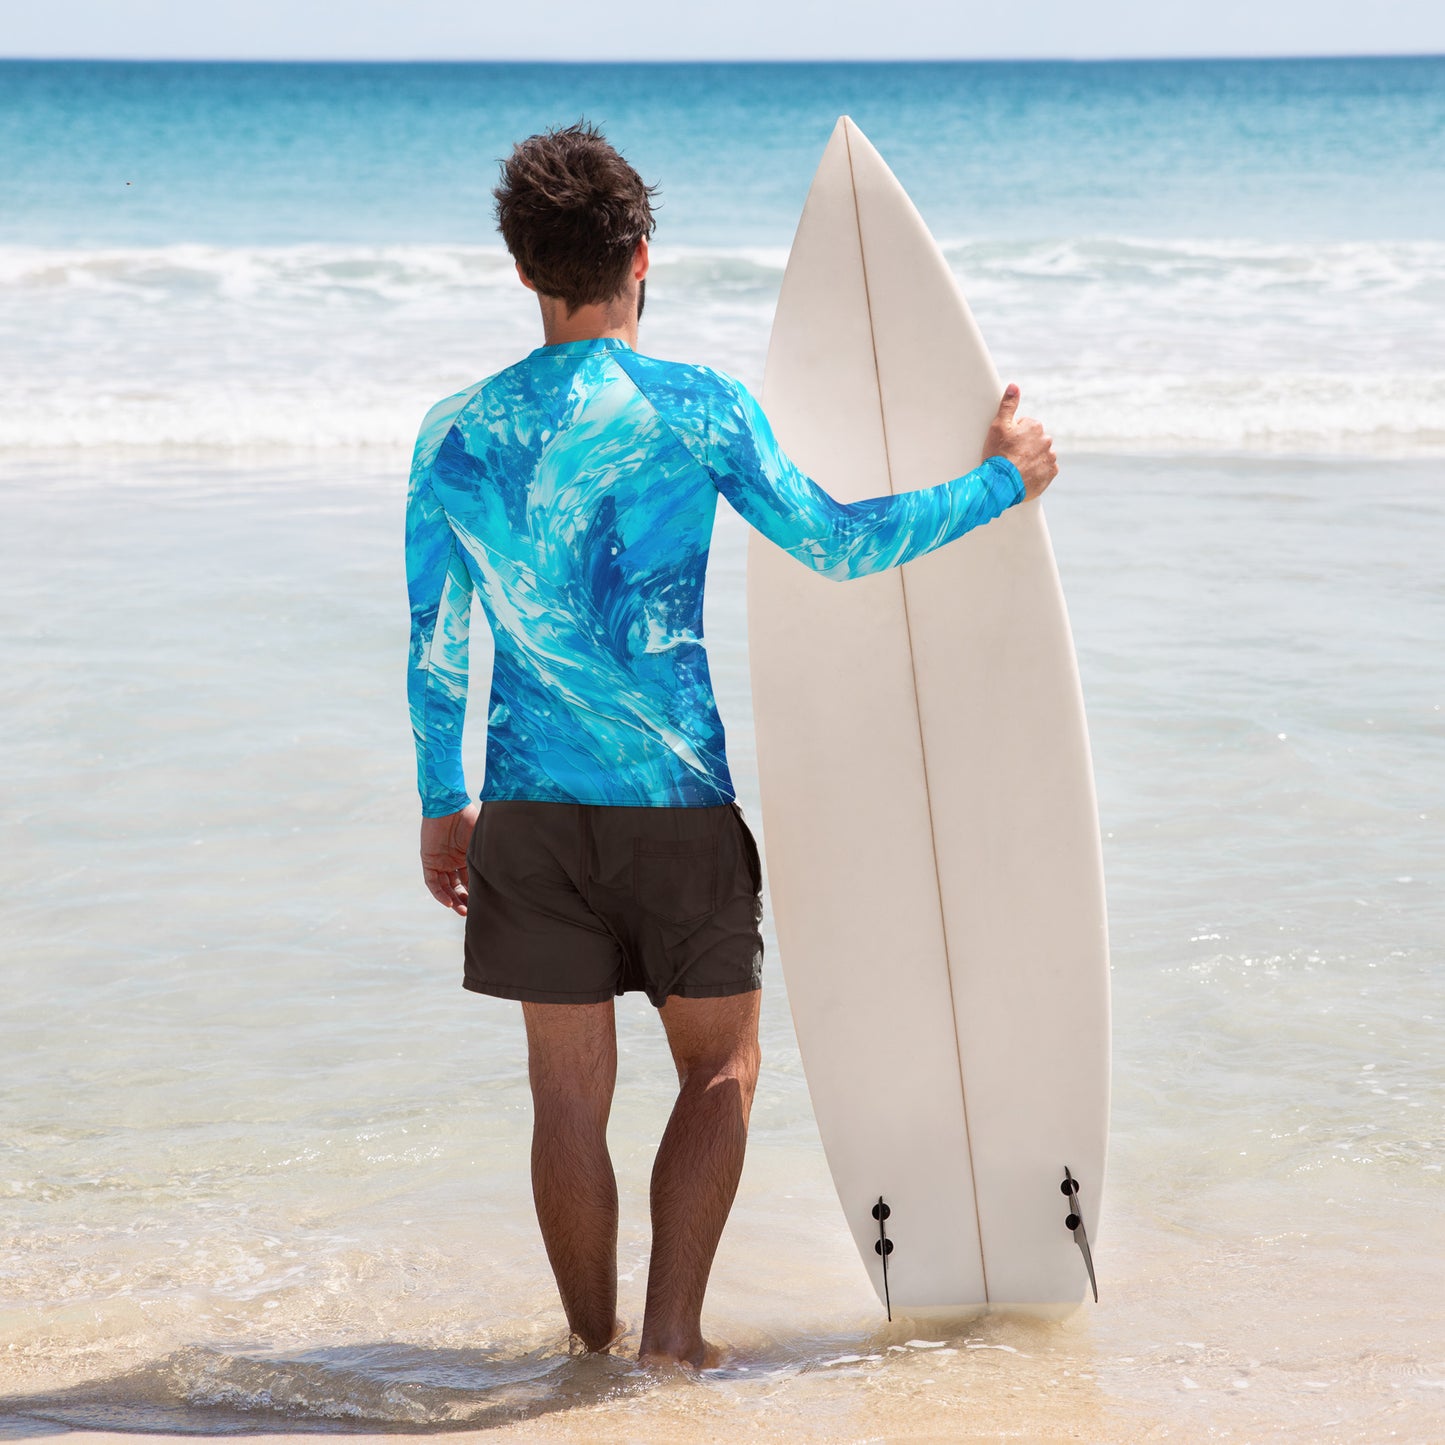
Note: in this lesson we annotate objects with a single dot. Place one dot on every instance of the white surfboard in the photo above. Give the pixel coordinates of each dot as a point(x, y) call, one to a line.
point(927, 794)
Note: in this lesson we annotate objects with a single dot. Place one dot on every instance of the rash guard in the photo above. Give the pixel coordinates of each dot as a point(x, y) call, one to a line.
point(574, 494)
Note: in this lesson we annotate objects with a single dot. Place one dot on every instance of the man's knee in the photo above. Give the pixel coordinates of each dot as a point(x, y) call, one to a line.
point(715, 1042)
point(738, 1073)
point(580, 1096)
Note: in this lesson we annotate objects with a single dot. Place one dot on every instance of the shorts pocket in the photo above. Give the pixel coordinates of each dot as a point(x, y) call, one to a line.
point(675, 881)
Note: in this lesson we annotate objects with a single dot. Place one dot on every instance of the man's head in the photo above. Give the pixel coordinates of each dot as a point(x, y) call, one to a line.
point(572, 213)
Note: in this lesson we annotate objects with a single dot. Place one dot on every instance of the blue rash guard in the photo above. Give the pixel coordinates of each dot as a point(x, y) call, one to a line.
point(575, 494)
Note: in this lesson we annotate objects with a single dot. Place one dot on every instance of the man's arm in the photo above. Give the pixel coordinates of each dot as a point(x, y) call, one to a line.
point(439, 588)
point(842, 540)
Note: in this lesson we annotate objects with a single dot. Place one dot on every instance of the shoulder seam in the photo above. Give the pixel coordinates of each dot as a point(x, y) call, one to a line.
point(468, 395)
point(672, 431)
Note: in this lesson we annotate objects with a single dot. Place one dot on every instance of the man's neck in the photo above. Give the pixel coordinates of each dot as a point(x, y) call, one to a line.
point(588, 323)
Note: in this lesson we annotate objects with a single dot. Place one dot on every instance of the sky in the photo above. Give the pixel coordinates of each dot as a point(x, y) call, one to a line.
point(713, 29)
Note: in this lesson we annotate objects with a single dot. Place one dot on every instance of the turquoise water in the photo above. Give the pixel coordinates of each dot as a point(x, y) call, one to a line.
point(1180, 257)
point(280, 154)
point(263, 1163)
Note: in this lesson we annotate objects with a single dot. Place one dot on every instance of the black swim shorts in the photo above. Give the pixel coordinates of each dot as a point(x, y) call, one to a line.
point(576, 903)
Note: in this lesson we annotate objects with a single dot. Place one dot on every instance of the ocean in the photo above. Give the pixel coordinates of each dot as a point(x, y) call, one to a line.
point(263, 1163)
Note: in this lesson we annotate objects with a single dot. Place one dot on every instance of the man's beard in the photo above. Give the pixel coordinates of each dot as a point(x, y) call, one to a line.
point(641, 296)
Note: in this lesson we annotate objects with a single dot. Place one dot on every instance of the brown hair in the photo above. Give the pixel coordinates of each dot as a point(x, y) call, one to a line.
point(572, 211)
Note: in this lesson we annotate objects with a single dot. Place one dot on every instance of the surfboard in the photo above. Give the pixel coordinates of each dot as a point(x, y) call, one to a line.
point(928, 809)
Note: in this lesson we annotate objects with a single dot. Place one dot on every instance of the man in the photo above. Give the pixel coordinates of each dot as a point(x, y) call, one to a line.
point(574, 493)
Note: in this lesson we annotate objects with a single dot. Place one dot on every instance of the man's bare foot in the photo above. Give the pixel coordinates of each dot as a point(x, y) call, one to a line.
point(702, 1356)
point(578, 1346)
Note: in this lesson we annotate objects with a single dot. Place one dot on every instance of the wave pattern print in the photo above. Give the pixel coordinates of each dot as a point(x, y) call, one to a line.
point(574, 493)
point(440, 590)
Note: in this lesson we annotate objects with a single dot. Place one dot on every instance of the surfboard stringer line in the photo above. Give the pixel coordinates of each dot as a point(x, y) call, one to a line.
point(922, 749)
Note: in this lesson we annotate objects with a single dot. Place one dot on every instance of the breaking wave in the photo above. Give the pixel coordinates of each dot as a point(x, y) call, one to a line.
point(1127, 344)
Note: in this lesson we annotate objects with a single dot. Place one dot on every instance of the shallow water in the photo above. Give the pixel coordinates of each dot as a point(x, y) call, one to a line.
point(265, 1162)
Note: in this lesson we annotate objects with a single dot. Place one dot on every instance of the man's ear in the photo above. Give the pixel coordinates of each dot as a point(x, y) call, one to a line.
point(640, 260)
point(522, 277)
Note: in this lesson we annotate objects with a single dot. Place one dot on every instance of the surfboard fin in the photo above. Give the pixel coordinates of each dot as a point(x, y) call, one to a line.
point(884, 1247)
point(1074, 1222)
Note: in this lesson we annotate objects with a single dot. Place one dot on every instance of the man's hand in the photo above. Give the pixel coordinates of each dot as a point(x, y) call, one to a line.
point(1022, 441)
point(444, 844)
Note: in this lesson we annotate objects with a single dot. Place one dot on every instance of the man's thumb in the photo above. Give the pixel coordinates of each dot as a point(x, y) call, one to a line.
point(1010, 403)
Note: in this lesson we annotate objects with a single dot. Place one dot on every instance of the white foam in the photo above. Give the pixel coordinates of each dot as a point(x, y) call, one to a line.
point(1123, 344)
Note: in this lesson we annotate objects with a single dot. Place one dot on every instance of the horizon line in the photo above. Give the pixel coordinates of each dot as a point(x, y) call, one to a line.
point(714, 60)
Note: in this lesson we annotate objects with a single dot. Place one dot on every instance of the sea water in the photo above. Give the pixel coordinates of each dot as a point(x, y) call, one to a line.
point(263, 1163)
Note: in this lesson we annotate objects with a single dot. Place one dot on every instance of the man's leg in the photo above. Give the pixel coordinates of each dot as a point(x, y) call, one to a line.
point(572, 1063)
point(715, 1046)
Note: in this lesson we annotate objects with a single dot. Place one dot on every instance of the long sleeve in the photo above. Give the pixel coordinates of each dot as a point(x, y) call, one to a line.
point(840, 540)
point(440, 591)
